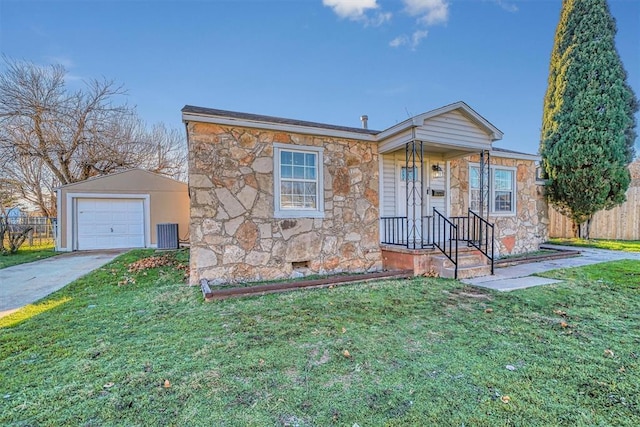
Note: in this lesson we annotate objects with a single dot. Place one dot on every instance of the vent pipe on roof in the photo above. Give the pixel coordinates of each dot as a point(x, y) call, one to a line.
point(364, 119)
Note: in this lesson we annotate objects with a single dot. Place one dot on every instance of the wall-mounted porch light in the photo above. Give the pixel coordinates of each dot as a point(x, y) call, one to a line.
point(437, 171)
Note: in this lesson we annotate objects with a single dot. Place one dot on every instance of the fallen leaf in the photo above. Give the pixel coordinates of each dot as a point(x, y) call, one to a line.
point(167, 384)
point(344, 329)
point(108, 385)
point(346, 353)
point(621, 370)
point(608, 353)
point(488, 310)
point(505, 399)
point(261, 362)
point(564, 324)
point(560, 312)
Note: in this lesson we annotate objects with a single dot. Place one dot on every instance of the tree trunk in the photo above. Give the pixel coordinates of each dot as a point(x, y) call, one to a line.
point(575, 228)
point(587, 228)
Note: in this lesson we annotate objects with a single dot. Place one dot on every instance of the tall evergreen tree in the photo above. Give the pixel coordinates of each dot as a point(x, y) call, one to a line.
point(588, 125)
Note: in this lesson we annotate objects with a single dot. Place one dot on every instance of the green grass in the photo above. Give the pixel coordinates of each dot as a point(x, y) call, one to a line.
point(422, 352)
point(616, 245)
point(27, 254)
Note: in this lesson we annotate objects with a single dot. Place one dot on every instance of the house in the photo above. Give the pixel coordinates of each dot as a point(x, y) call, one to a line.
point(272, 196)
point(120, 210)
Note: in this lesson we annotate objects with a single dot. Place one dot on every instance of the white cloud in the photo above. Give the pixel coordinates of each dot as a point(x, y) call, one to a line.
point(357, 10)
point(417, 37)
point(399, 41)
point(413, 41)
point(506, 5)
point(351, 9)
point(430, 12)
point(379, 19)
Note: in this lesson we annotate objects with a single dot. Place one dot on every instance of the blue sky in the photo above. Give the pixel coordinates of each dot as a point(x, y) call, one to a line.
point(327, 61)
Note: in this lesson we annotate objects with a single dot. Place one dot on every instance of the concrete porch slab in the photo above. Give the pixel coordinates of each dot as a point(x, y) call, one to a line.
point(510, 284)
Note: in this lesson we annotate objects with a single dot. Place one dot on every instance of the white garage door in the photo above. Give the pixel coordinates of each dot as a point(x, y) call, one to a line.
point(110, 223)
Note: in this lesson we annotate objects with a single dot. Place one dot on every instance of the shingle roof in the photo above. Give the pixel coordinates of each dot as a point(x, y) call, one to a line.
point(271, 119)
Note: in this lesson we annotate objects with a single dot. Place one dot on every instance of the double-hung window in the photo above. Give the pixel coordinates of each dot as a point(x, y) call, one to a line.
point(298, 181)
point(503, 190)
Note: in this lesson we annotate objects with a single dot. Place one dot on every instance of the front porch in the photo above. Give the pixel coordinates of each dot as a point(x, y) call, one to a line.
point(455, 247)
point(423, 225)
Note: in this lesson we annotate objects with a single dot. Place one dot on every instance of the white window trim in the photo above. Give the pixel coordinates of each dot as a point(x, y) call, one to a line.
point(297, 213)
point(514, 190)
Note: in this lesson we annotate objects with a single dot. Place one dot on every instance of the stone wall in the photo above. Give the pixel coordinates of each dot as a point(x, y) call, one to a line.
point(514, 234)
point(234, 236)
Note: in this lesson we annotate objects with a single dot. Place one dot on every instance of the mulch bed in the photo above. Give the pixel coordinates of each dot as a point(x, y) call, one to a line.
point(270, 288)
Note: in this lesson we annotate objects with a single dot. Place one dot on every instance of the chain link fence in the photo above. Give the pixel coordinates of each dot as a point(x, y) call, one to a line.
point(43, 229)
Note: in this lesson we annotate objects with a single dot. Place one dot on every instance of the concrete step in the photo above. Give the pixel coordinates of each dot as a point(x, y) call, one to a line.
point(465, 259)
point(466, 272)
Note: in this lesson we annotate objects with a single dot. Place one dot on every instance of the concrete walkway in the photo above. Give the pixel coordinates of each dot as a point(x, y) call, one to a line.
point(26, 283)
point(520, 276)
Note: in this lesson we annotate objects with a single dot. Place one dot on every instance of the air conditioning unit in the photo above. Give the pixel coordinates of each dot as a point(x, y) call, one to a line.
point(167, 236)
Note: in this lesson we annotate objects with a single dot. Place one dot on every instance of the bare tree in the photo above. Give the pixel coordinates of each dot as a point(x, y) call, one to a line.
point(51, 136)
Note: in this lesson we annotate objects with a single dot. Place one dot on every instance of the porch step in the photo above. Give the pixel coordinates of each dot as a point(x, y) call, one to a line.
point(466, 272)
point(471, 263)
point(465, 259)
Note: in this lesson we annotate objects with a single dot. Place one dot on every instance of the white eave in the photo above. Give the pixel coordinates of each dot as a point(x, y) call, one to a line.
point(508, 154)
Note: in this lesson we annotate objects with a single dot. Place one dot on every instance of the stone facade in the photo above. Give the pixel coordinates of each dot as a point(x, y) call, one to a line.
point(234, 235)
point(514, 234)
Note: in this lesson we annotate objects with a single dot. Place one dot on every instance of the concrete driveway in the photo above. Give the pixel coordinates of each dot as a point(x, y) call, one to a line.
point(26, 283)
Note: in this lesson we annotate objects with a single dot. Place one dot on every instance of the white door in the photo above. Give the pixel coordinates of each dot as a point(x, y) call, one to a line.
point(109, 223)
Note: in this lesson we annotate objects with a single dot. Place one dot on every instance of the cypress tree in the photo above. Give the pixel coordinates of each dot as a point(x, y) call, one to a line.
point(588, 125)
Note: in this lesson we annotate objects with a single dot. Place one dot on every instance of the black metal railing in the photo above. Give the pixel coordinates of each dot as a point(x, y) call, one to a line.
point(462, 224)
point(480, 236)
point(427, 231)
point(443, 233)
point(393, 230)
point(445, 238)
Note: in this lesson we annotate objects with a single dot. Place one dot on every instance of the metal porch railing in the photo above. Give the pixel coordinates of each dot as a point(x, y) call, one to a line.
point(443, 233)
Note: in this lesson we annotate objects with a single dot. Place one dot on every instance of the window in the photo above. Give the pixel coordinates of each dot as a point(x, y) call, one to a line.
point(298, 181)
point(502, 189)
point(502, 197)
point(413, 172)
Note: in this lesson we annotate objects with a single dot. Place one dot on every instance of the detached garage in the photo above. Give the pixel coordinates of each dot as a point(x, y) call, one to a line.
point(120, 211)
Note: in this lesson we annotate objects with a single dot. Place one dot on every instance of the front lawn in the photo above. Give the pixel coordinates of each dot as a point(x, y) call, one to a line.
point(27, 254)
point(140, 348)
point(616, 245)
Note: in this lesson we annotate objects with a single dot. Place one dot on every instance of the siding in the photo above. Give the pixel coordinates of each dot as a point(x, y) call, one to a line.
point(388, 185)
point(453, 128)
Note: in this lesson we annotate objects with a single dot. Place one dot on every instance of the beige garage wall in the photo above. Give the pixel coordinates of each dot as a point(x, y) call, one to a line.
point(168, 200)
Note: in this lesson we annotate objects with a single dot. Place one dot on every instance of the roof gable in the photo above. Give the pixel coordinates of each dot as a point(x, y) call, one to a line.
point(130, 179)
point(459, 107)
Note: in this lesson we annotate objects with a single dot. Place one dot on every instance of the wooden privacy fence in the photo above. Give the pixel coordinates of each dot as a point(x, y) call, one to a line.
point(619, 223)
